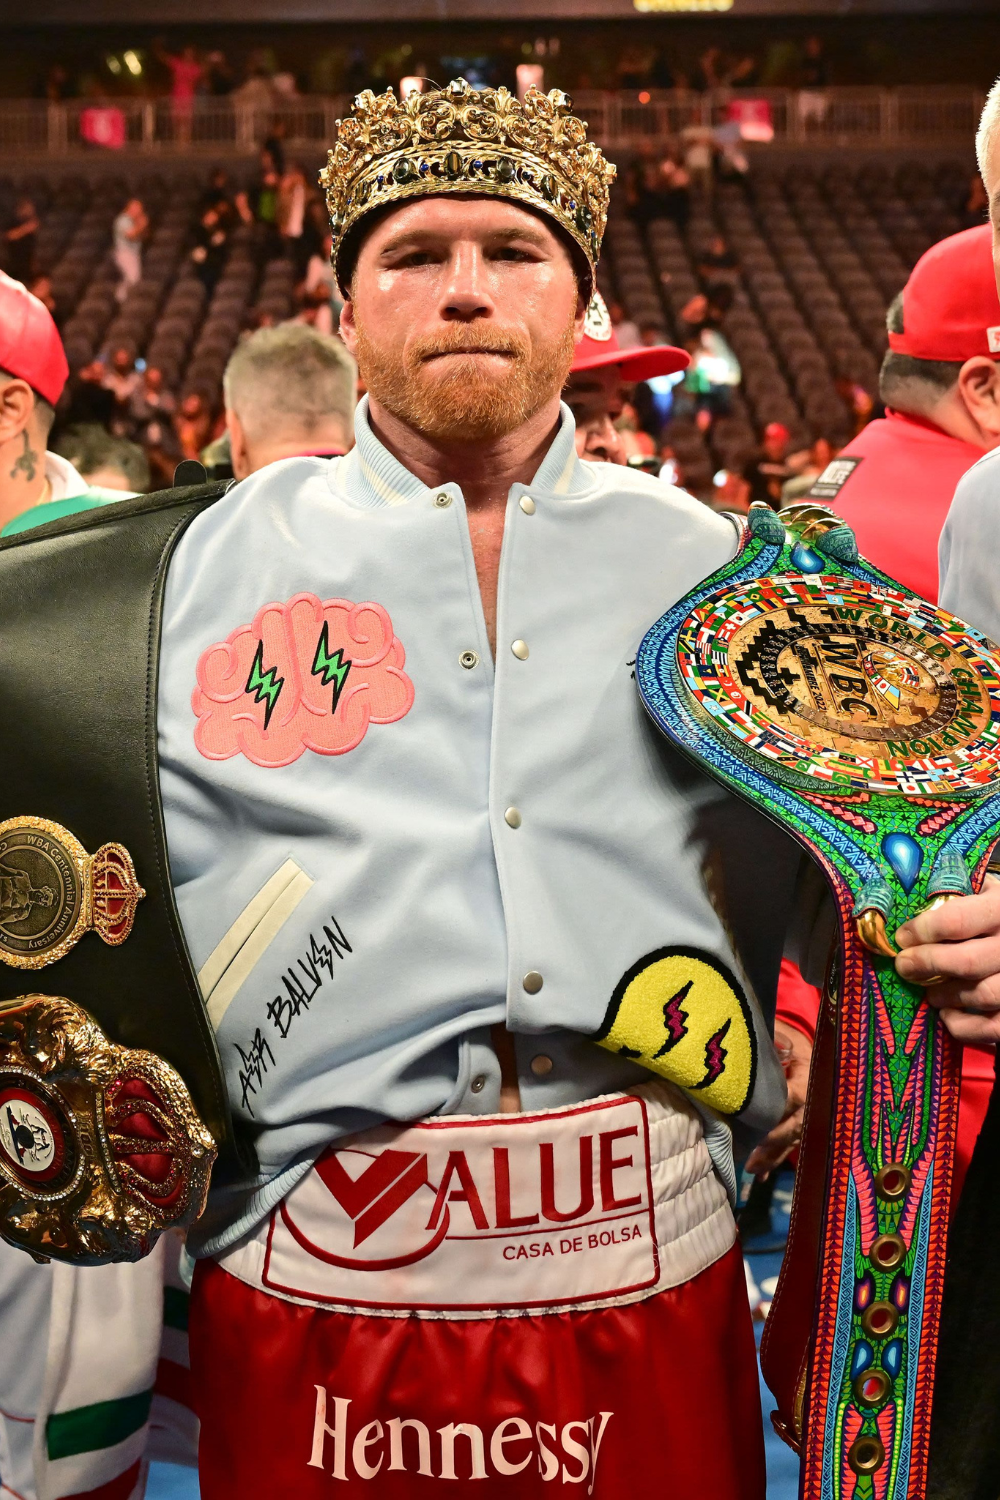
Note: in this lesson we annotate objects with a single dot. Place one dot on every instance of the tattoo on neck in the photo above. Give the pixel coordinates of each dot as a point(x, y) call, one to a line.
point(26, 463)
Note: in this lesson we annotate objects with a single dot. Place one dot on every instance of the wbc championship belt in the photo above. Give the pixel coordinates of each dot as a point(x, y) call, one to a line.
point(867, 723)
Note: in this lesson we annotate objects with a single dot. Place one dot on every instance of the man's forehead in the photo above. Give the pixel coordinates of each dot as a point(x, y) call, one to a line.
point(458, 216)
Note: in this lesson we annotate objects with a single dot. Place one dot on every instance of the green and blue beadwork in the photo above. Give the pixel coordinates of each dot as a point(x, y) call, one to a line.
point(867, 723)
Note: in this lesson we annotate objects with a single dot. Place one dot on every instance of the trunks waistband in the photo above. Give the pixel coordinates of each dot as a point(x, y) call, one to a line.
point(595, 1205)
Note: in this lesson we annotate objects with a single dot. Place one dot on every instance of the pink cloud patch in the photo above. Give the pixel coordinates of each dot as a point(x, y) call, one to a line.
point(305, 675)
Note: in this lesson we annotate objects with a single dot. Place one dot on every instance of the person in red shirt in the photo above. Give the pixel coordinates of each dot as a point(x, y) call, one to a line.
point(186, 73)
point(594, 392)
point(940, 381)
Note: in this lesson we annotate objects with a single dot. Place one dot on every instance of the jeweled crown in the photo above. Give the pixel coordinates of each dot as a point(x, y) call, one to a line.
point(464, 140)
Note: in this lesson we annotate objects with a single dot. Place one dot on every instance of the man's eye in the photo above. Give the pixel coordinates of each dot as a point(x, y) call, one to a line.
point(512, 252)
point(412, 258)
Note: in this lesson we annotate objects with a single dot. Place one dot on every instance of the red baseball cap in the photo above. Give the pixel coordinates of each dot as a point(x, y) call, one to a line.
point(599, 347)
point(950, 305)
point(30, 346)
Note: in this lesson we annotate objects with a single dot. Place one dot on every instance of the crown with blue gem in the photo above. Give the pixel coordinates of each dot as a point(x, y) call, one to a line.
point(464, 140)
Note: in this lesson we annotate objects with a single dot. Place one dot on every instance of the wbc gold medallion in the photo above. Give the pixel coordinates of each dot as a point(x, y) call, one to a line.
point(52, 892)
point(855, 687)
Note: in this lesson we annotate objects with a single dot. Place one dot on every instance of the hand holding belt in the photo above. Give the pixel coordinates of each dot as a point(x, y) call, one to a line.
point(866, 722)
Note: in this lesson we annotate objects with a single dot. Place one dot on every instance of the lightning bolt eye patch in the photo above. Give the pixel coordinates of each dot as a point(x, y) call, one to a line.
point(684, 1015)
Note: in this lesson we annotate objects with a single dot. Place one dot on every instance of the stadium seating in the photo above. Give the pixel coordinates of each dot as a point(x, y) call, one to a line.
point(822, 250)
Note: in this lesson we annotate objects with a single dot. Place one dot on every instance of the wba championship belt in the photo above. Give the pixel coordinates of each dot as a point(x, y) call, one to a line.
point(866, 722)
point(112, 1101)
point(100, 1146)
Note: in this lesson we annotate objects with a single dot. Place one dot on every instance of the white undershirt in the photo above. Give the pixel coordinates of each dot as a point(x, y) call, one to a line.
point(64, 481)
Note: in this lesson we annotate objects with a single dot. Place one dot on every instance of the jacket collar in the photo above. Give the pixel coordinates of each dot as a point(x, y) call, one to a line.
point(372, 477)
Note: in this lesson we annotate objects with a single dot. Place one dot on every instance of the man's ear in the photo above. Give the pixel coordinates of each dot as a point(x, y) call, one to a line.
point(348, 327)
point(979, 388)
point(238, 447)
point(580, 317)
point(17, 405)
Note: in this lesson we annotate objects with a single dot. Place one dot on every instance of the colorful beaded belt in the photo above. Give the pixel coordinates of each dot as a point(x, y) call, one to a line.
point(867, 723)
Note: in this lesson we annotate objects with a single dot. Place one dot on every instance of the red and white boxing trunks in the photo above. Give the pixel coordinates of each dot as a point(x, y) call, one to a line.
point(523, 1301)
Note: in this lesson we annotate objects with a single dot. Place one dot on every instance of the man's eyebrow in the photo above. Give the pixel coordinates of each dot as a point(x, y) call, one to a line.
point(534, 236)
point(425, 237)
point(412, 237)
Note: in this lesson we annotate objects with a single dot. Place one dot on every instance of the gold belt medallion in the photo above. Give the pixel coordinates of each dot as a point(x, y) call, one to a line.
point(101, 1148)
point(52, 892)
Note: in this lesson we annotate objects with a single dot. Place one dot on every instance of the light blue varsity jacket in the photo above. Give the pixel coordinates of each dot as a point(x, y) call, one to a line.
point(382, 843)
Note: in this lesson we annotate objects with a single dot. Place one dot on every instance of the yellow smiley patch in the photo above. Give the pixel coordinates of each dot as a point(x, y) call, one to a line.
point(682, 1014)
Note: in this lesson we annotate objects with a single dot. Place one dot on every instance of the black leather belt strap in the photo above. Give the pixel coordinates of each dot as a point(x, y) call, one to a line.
point(80, 614)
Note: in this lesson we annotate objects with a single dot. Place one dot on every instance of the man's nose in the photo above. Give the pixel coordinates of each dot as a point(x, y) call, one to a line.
point(604, 442)
point(465, 293)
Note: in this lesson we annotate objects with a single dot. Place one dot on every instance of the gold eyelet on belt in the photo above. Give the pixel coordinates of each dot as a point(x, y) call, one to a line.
point(892, 1181)
point(866, 1455)
point(879, 1320)
point(887, 1252)
point(871, 1387)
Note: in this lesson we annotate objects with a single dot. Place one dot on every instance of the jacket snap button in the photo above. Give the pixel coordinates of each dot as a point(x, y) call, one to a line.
point(478, 1083)
point(532, 981)
point(520, 650)
point(469, 659)
point(512, 817)
point(541, 1065)
point(442, 500)
point(527, 505)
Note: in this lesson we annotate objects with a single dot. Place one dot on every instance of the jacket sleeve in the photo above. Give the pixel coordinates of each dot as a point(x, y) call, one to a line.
point(970, 581)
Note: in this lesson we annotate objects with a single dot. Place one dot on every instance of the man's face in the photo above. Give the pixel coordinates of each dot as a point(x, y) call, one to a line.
point(463, 316)
point(991, 181)
point(595, 398)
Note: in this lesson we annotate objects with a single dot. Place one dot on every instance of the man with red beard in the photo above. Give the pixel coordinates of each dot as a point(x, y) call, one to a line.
point(487, 962)
point(478, 1245)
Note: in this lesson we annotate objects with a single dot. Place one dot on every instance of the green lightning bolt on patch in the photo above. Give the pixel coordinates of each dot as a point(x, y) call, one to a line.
point(332, 666)
point(264, 685)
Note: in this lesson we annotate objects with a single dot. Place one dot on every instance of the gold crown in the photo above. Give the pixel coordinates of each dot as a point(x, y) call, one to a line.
point(465, 140)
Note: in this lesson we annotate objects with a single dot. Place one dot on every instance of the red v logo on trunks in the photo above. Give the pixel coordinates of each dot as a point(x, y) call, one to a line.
point(382, 1188)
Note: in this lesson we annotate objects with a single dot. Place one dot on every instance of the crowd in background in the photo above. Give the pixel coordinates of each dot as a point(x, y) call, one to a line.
point(266, 75)
point(189, 73)
point(122, 425)
point(118, 419)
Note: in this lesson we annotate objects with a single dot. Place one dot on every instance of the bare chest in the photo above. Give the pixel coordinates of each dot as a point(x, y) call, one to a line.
point(486, 533)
